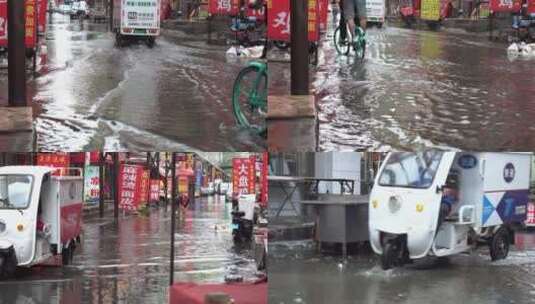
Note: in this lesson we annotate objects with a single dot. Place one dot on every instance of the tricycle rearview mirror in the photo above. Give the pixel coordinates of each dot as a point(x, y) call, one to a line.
point(439, 189)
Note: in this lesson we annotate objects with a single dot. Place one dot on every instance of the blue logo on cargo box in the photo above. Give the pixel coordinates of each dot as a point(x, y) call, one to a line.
point(467, 161)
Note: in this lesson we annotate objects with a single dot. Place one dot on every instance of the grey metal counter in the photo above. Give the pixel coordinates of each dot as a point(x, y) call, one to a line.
point(341, 219)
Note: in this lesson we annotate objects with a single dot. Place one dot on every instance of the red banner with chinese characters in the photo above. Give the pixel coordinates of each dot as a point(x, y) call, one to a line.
point(251, 176)
point(505, 5)
point(154, 190)
point(279, 20)
point(130, 177)
point(55, 160)
point(323, 8)
point(41, 19)
point(241, 176)
point(31, 21)
point(224, 7)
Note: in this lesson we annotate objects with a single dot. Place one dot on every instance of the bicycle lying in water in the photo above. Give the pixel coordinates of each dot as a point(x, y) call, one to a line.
point(249, 96)
point(344, 41)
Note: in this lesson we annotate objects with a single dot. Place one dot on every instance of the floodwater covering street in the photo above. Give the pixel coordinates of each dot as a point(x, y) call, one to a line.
point(128, 261)
point(175, 96)
point(299, 275)
point(420, 88)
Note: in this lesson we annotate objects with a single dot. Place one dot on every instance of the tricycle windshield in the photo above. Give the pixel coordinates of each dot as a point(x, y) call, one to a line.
point(411, 169)
point(15, 191)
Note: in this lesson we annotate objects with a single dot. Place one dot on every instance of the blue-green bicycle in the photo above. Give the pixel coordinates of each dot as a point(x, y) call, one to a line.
point(249, 96)
point(345, 43)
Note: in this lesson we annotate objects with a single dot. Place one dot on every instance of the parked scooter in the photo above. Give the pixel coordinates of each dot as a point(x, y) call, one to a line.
point(242, 217)
point(436, 203)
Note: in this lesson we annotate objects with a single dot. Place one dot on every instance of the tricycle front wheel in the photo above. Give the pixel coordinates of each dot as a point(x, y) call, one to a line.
point(499, 244)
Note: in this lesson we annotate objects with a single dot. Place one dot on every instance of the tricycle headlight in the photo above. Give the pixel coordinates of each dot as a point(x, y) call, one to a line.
point(2, 227)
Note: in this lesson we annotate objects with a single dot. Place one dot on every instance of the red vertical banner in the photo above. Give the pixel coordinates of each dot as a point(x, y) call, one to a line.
point(154, 190)
point(313, 20)
point(240, 175)
point(251, 175)
point(264, 179)
point(130, 186)
point(323, 7)
point(224, 7)
point(31, 23)
point(41, 19)
point(144, 187)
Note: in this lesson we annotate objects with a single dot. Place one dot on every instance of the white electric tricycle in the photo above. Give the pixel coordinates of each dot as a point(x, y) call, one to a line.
point(437, 203)
point(40, 215)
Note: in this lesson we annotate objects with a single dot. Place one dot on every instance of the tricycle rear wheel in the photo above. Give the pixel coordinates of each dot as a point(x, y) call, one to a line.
point(499, 244)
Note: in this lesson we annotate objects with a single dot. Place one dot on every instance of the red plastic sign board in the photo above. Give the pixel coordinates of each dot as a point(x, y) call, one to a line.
point(279, 20)
point(144, 187)
point(130, 177)
point(505, 5)
point(224, 7)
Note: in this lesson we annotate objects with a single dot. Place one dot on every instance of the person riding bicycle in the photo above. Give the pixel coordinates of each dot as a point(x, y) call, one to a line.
point(351, 10)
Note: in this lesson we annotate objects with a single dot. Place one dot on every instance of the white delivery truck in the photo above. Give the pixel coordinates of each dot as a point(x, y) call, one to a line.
point(375, 12)
point(136, 20)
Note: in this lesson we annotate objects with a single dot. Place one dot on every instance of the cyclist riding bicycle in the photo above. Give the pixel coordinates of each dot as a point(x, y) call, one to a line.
point(352, 9)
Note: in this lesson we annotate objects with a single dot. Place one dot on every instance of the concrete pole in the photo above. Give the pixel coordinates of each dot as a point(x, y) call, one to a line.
point(101, 168)
point(299, 47)
point(16, 53)
point(173, 219)
point(116, 169)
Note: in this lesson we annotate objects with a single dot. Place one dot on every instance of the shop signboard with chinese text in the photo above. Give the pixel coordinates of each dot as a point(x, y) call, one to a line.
point(30, 30)
point(243, 181)
point(279, 20)
point(91, 184)
point(130, 186)
point(224, 7)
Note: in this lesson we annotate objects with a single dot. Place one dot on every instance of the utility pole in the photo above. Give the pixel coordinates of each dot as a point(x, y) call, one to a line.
point(16, 53)
point(173, 218)
point(299, 47)
point(110, 10)
point(116, 168)
point(102, 166)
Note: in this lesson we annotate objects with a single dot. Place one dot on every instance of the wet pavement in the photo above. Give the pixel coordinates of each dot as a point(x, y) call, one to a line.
point(422, 88)
point(128, 261)
point(94, 95)
point(299, 275)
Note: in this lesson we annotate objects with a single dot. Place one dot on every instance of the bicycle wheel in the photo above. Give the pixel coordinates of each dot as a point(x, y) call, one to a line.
point(342, 46)
point(360, 45)
point(249, 98)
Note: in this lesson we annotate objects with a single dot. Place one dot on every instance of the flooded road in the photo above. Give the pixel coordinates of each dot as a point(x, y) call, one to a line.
point(175, 96)
point(422, 88)
point(128, 261)
point(299, 275)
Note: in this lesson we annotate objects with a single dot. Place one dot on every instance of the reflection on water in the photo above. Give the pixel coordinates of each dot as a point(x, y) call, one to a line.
point(175, 96)
point(422, 88)
point(299, 275)
point(128, 262)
